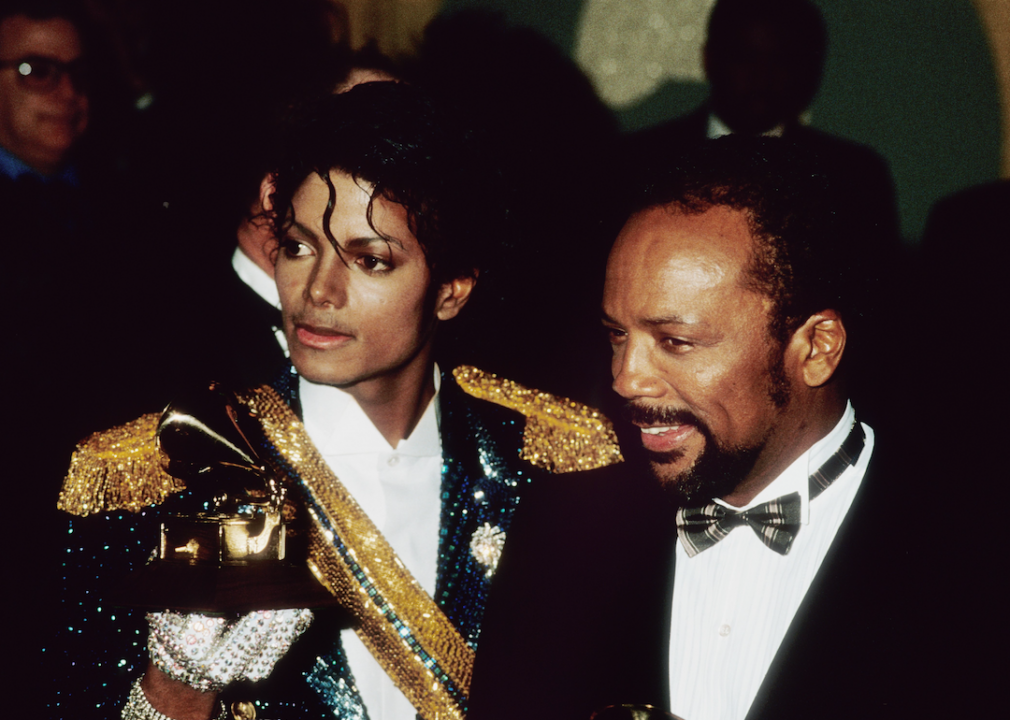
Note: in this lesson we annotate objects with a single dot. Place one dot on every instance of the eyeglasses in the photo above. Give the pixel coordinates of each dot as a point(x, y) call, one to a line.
point(43, 74)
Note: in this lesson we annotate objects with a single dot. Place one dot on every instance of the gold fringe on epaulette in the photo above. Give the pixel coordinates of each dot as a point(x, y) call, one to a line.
point(118, 469)
point(561, 435)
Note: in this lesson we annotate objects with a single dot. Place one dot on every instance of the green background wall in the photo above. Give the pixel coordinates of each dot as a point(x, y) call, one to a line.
point(913, 79)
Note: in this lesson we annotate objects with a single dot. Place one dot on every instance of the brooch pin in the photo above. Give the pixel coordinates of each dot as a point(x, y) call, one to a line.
point(486, 545)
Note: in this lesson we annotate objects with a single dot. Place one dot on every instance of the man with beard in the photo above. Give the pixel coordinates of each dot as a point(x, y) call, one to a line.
point(725, 310)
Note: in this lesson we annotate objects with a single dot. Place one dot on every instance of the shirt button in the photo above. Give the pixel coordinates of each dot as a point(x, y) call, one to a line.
point(724, 630)
point(393, 461)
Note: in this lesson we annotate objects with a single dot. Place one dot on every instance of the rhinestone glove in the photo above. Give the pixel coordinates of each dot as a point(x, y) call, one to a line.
point(207, 653)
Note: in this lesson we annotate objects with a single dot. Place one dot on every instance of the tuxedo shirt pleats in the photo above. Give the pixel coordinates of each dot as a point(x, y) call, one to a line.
point(733, 603)
point(398, 488)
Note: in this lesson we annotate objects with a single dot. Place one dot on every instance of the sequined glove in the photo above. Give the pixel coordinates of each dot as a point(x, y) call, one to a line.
point(207, 653)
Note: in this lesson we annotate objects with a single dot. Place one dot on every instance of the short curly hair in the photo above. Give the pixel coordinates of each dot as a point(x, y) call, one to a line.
point(394, 137)
point(799, 259)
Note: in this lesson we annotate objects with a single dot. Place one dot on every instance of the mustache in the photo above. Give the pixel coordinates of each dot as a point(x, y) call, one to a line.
point(319, 324)
point(640, 414)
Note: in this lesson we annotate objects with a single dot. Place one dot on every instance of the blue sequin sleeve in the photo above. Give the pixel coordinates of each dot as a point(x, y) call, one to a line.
point(97, 649)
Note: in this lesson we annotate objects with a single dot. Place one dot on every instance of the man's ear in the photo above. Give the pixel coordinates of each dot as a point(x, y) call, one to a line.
point(266, 193)
point(254, 233)
point(821, 343)
point(453, 296)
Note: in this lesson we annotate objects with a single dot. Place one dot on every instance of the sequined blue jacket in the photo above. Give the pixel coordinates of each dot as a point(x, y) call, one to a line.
point(100, 649)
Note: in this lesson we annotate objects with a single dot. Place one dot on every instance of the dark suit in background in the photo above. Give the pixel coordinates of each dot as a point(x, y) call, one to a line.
point(860, 174)
point(187, 318)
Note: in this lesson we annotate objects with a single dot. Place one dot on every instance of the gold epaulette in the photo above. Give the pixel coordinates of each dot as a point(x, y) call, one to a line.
point(561, 435)
point(117, 469)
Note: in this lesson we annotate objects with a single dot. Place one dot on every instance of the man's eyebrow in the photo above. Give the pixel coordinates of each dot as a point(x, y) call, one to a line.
point(364, 242)
point(304, 230)
point(353, 244)
point(667, 320)
point(652, 322)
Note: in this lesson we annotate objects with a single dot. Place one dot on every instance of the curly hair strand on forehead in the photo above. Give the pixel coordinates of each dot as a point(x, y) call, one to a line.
point(798, 258)
point(395, 139)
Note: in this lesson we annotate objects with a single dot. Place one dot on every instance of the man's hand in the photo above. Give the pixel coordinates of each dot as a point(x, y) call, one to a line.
point(207, 653)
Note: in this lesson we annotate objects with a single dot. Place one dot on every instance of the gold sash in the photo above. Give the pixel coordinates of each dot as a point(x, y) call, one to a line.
point(410, 636)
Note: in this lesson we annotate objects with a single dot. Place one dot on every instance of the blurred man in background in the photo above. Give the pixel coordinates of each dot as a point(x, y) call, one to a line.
point(43, 90)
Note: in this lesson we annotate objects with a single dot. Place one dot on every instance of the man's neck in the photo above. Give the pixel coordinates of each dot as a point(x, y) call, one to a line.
point(396, 403)
point(786, 445)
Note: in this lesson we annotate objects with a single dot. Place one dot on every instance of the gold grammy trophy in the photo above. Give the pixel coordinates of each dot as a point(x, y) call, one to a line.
point(224, 542)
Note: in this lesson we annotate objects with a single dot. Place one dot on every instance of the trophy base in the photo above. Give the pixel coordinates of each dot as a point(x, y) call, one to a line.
point(221, 588)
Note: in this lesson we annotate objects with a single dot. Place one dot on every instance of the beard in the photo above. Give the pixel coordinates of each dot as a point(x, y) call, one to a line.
point(718, 470)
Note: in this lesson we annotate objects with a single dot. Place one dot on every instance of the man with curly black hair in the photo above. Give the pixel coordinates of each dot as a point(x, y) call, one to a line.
point(401, 479)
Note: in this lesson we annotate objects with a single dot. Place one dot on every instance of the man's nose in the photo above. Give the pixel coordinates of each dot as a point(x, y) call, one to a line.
point(65, 86)
point(328, 284)
point(634, 372)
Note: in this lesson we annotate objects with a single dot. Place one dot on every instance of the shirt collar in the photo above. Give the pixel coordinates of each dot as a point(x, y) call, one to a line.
point(339, 426)
point(717, 128)
point(13, 168)
point(796, 477)
point(255, 277)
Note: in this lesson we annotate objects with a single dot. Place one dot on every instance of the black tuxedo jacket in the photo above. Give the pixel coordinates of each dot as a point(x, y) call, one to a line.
point(202, 324)
point(580, 611)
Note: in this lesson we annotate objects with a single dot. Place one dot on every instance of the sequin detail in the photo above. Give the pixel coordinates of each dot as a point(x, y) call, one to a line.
point(561, 435)
point(401, 625)
point(486, 545)
point(333, 681)
point(118, 469)
point(483, 480)
point(210, 652)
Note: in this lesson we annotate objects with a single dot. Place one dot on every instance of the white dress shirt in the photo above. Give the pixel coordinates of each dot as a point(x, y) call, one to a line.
point(733, 602)
point(717, 128)
point(262, 284)
point(255, 277)
point(399, 489)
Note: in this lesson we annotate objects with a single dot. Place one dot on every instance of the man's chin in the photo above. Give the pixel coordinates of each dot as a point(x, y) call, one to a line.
point(673, 460)
point(714, 473)
point(675, 474)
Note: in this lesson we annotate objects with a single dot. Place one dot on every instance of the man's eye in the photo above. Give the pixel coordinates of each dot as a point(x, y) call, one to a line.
point(614, 335)
point(374, 263)
point(677, 345)
point(293, 248)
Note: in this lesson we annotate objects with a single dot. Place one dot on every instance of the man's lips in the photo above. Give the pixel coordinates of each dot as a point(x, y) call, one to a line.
point(662, 429)
point(665, 438)
point(321, 338)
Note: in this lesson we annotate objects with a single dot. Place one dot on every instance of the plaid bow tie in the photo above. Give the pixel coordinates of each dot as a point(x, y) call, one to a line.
point(775, 522)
